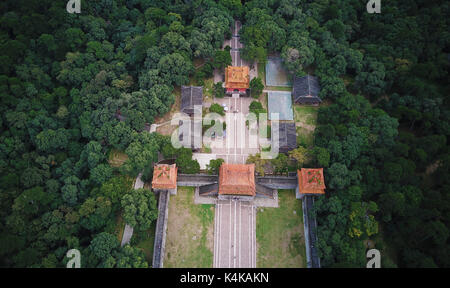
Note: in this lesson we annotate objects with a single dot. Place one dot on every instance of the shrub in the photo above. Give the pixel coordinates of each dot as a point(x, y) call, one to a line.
point(218, 90)
point(256, 87)
point(216, 108)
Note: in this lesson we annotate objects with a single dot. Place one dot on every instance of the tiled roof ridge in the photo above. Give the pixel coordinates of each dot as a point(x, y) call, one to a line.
point(309, 85)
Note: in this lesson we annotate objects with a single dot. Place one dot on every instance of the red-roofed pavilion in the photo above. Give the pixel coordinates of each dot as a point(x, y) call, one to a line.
point(311, 181)
point(165, 177)
point(237, 179)
point(237, 79)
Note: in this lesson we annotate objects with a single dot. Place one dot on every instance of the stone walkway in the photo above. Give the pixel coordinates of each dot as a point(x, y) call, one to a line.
point(128, 231)
point(203, 159)
point(204, 199)
point(235, 235)
point(127, 234)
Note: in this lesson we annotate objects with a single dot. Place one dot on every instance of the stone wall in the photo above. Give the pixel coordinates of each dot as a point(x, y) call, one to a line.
point(278, 182)
point(310, 228)
point(161, 229)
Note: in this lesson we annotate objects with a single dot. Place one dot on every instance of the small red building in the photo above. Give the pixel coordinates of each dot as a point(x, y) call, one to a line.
point(237, 79)
point(310, 182)
point(165, 178)
point(237, 180)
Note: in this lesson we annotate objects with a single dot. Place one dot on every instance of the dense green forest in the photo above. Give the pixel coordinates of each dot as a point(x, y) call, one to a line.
point(65, 79)
point(385, 78)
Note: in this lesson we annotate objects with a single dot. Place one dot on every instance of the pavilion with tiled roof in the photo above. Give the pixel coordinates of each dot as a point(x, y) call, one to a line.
point(305, 90)
point(237, 79)
point(165, 178)
point(191, 99)
point(287, 137)
point(237, 180)
point(310, 182)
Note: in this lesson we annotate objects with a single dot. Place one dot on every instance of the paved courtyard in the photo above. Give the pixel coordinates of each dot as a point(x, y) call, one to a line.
point(234, 235)
point(239, 142)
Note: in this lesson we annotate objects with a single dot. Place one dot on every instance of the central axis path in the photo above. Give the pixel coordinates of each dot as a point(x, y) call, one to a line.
point(234, 235)
point(235, 221)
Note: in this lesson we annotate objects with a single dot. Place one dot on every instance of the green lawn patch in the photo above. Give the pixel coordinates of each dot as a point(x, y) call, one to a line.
point(208, 89)
point(190, 232)
point(306, 114)
point(305, 137)
point(306, 117)
point(262, 72)
point(279, 234)
point(279, 88)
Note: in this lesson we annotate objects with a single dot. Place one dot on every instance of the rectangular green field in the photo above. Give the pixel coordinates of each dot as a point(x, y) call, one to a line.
point(306, 114)
point(190, 232)
point(262, 72)
point(280, 235)
point(305, 119)
point(279, 88)
point(305, 137)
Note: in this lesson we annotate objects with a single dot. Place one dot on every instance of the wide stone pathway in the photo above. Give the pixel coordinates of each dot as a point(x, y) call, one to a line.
point(235, 235)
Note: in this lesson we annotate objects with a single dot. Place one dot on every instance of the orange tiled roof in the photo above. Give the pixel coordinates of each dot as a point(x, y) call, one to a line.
point(310, 181)
point(237, 77)
point(164, 176)
point(237, 179)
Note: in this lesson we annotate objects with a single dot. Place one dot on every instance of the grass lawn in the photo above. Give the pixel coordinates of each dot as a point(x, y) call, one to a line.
point(208, 89)
point(190, 232)
point(306, 114)
point(307, 117)
point(205, 149)
point(279, 234)
point(305, 137)
point(116, 158)
point(262, 72)
point(279, 88)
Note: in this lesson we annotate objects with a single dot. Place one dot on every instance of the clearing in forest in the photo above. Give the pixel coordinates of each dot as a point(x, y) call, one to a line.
point(116, 158)
point(305, 121)
point(190, 232)
point(280, 235)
